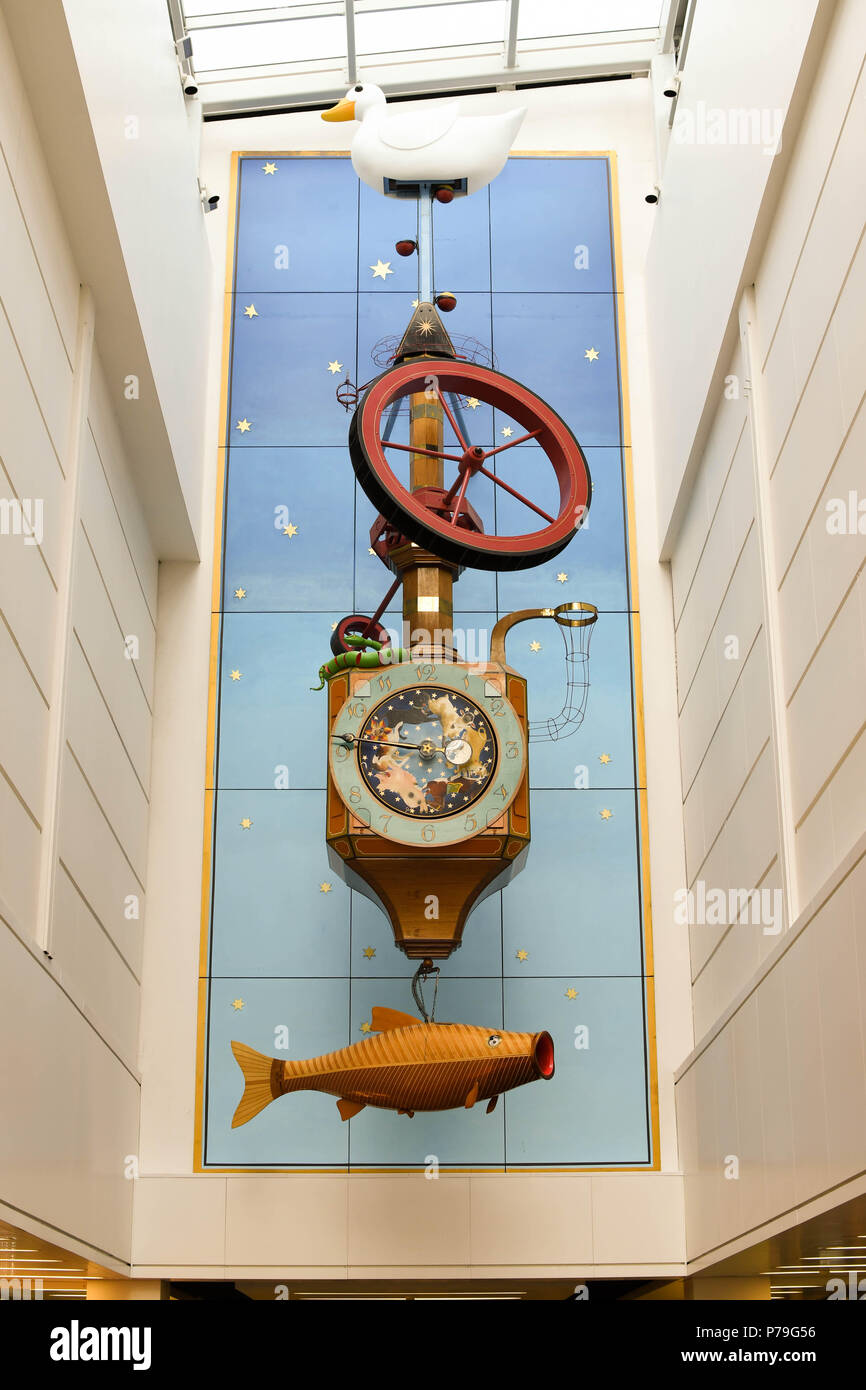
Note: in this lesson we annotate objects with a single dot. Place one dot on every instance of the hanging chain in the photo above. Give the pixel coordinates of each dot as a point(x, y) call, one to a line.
point(424, 971)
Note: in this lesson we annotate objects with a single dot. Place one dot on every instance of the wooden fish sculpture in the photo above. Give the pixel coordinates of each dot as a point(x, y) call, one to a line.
point(410, 1066)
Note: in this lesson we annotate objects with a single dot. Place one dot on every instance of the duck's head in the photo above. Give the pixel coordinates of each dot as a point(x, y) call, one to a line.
point(356, 104)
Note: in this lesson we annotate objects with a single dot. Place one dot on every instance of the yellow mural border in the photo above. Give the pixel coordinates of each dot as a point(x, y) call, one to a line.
point(637, 666)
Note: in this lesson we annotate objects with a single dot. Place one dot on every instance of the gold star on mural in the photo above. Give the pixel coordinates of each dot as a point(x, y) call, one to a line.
point(236, 675)
point(290, 530)
point(370, 550)
point(243, 426)
point(507, 432)
point(591, 354)
point(334, 367)
point(522, 956)
point(325, 887)
point(269, 168)
point(605, 814)
point(426, 327)
point(562, 577)
point(366, 1027)
point(333, 627)
point(237, 1003)
point(571, 994)
point(415, 303)
point(535, 646)
point(240, 593)
point(369, 952)
point(473, 402)
point(246, 823)
point(604, 758)
point(251, 311)
point(381, 270)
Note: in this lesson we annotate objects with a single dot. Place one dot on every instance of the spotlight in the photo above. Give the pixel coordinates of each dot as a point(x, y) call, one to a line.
point(654, 196)
point(189, 84)
point(209, 201)
point(673, 88)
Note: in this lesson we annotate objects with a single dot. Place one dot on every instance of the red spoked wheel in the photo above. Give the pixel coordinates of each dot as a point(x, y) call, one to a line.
point(442, 521)
point(355, 625)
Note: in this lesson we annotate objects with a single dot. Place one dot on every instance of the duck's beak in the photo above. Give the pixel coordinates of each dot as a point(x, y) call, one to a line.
point(343, 111)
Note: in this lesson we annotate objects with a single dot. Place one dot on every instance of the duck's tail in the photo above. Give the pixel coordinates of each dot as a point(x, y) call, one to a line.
point(261, 1085)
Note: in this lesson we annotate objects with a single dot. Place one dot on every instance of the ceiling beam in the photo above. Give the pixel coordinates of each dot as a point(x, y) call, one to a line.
point(351, 52)
point(511, 34)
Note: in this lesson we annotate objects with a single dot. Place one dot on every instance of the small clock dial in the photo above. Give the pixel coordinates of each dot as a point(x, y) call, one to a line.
point(427, 751)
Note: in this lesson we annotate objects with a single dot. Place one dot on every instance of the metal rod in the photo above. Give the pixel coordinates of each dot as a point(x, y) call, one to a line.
point(351, 53)
point(425, 244)
point(368, 630)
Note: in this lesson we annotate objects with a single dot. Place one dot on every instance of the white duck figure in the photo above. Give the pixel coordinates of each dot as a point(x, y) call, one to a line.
point(433, 146)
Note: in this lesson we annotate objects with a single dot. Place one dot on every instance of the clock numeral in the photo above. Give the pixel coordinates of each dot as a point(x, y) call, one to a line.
point(511, 748)
point(355, 795)
point(385, 818)
point(496, 706)
point(465, 682)
point(341, 753)
point(428, 833)
point(503, 791)
point(425, 671)
point(362, 814)
point(354, 711)
point(384, 682)
point(470, 823)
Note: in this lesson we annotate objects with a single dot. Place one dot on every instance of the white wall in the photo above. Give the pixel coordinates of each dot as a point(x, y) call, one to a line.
point(773, 754)
point(224, 1226)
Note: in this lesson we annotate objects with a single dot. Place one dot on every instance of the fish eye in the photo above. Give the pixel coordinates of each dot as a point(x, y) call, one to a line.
point(494, 1040)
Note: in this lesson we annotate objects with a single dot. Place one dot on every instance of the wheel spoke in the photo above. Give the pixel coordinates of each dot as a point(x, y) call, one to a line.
point(455, 427)
point(514, 493)
point(416, 449)
point(511, 443)
point(392, 417)
point(459, 500)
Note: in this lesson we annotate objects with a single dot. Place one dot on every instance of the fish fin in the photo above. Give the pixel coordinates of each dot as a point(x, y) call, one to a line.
point(258, 1089)
point(381, 1020)
point(410, 1113)
point(472, 1097)
point(348, 1108)
point(491, 1104)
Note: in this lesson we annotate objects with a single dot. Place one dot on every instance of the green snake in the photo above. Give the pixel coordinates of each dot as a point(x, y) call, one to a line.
point(381, 654)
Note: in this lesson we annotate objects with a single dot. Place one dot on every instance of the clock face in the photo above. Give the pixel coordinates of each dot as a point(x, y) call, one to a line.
point(427, 753)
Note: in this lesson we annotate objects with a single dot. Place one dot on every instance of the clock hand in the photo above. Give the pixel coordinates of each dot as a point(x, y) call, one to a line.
point(349, 739)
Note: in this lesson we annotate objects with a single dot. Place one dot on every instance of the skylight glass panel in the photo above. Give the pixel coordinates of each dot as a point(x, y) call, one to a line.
point(544, 19)
point(417, 29)
point(256, 45)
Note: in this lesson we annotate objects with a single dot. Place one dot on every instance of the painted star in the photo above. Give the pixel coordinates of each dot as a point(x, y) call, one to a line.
point(591, 354)
point(236, 675)
point(415, 302)
point(333, 627)
point(246, 823)
point(522, 956)
point(370, 550)
point(507, 432)
point(240, 593)
point(562, 577)
point(571, 994)
point(366, 1027)
point(290, 530)
point(604, 758)
point(243, 426)
point(426, 327)
point(237, 1003)
point(251, 311)
point(381, 270)
point(325, 887)
point(334, 367)
point(369, 952)
point(535, 646)
point(605, 814)
point(269, 168)
point(473, 402)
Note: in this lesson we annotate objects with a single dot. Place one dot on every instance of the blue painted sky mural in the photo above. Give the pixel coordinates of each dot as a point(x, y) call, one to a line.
point(564, 947)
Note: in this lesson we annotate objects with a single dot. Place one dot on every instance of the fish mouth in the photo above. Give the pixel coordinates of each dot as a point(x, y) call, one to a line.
point(542, 1055)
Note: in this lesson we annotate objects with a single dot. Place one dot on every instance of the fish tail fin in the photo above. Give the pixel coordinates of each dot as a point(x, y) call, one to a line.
point(258, 1082)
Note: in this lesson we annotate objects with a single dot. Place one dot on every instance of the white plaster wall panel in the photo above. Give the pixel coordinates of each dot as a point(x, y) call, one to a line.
point(306, 1224)
point(771, 883)
point(835, 80)
point(842, 1039)
point(837, 559)
point(835, 681)
point(96, 863)
point(29, 311)
point(707, 1127)
point(727, 533)
point(848, 335)
point(752, 826)
point(106, 398)
point(724, 768)
point(704, 937)
point(533, 1219)
point(776, 1101)
point(12, 105)
point(778, 380)
point(23, 725)
point(755, 683)
point(700, 714)
point(637, 1218)
point(722, 1054)
point(102, 639)
point(807, 456)
point(111, 776)
point(739, 622)
point(815, 856)
point(63, 1159)
point(687, 1140)
point(731, 965)
point(183, 1221)
point(750, 1126)
point(847, 797)
point(92, 971)
point(798, 621)
point(405, 1221)
point(25, 445)
point(857, 889)
point(801, 973)
point(27, 600)
point(19, 859)
point(694, 830)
